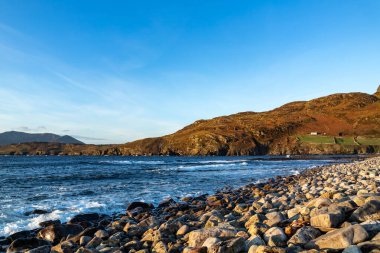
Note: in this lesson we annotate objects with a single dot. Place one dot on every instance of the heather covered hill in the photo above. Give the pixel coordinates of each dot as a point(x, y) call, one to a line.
point(350, 121)
point(275, 131)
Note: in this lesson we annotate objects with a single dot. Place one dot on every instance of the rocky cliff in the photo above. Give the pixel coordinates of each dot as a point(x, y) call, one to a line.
point(252, 133)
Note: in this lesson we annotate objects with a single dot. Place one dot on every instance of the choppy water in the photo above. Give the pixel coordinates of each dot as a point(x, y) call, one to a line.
point(69, 185)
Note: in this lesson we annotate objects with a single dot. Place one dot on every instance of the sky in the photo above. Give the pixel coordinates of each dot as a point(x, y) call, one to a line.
point(117, 71)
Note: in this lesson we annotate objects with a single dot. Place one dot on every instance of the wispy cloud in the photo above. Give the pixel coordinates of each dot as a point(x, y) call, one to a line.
point(30, 129)
point(88, 138)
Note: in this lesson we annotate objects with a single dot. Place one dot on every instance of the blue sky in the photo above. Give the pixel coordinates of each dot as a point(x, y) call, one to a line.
point(116, 71)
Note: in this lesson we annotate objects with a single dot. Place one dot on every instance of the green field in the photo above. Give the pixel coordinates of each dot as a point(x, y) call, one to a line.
point(368, 141)
point(316, 139)
point(345, 141)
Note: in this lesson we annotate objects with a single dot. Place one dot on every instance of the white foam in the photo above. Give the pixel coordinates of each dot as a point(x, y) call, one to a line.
point(132, 162)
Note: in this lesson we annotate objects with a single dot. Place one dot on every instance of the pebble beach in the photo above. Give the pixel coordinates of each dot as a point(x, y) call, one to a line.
point(334, 208)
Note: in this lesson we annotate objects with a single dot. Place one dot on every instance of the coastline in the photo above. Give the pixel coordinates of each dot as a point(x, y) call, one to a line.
point(286, 213)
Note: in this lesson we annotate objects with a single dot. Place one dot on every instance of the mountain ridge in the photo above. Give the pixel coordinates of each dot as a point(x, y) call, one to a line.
point(16, 137)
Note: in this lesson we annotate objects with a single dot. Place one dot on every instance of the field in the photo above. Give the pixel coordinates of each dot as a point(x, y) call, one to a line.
point(316, 139)
point(345, 141)
point(368, 141)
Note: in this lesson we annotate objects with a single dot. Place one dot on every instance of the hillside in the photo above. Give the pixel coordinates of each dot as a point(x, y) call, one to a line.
point(14, 137)
point(352, 116)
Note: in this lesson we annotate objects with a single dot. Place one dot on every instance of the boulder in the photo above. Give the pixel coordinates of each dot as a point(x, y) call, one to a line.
point(23, 244)
point(372, 227)
point(327, 220)
point(47, 223)
point(64, 247)
point(211, 243)
point(234, 245)
point(275, 237)
point(254, 240)
point(304, 235)
point(102, 234)
point(41, 249)
point(340, 238)
point(36, 211)
point(183, 230)
point(85, 217)
point(370, 246)
point(19, 235)
point(257, 228)
point(319, 202)
point(160, 247)
point(54, 233)
point(198, 237)
point(274, 218)
point(352, 249)
point(195, 250)
point(137, 204)
point(369, 211)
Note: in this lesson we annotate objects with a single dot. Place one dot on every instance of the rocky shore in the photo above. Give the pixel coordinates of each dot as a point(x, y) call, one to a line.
point(332, 208)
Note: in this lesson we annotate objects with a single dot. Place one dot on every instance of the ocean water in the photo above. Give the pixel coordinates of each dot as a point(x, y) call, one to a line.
point(66, 186)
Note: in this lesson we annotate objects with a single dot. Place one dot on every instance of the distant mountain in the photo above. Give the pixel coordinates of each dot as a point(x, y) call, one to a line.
point(14, 137)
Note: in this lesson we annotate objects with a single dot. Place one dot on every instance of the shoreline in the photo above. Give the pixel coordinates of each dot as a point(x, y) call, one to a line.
point(274, 216)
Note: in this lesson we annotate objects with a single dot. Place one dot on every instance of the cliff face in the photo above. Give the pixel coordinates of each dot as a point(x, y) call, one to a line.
point(250, 133)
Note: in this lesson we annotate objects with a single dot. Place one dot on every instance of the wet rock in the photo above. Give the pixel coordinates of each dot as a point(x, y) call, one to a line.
point(21, 234)
point(23, 244)
point(369, 211)
point(41, 249)
point(36, 211)
point(304, 235)
point(49, 222)
point(138, 204)
point(166, 203)
point(54, 233)
point(340, 238)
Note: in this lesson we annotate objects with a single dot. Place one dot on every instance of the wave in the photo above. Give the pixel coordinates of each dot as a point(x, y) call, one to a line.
point(133, 162)
point(208, 166)
point(222, 161)
point(63, 213)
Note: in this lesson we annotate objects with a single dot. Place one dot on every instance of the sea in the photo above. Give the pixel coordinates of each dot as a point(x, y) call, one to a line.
point(68, 185)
